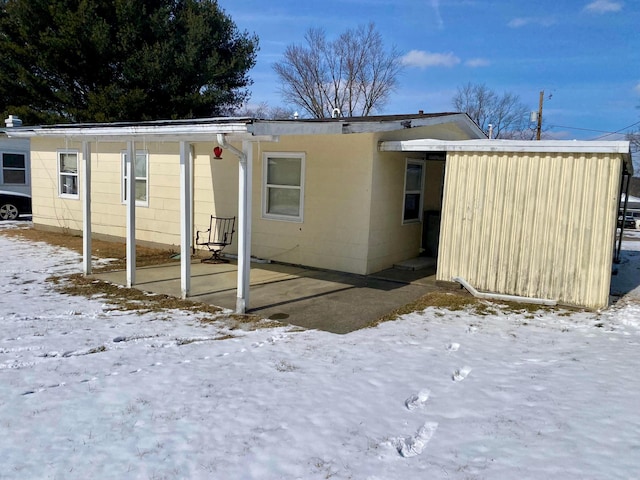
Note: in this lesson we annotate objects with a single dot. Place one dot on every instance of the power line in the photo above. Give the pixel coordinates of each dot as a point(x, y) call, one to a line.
point(613, 133)
point(578, 128)
point(606, 132)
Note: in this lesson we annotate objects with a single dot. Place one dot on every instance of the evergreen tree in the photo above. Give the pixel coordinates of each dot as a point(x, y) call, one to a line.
point(121, 60)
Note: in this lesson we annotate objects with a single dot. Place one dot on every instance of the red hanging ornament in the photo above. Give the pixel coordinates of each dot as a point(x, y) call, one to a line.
point(217, 152)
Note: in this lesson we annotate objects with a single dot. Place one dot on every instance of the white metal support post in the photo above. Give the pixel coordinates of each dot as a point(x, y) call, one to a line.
point(86, 208)
point(131, 213)
point(186, 201)
point(244, 218)
point(244, 227)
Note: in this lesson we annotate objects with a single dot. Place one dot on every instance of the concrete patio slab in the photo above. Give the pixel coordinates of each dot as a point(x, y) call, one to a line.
point(331, 301)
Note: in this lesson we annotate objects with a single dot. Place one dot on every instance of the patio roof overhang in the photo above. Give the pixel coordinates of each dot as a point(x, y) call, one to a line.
point(201, 130)
point(240, 128)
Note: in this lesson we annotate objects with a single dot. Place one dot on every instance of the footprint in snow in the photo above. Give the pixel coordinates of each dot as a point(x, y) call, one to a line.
point(418, 400)
point(453, 347)
point(460, 374)
point(414, 445)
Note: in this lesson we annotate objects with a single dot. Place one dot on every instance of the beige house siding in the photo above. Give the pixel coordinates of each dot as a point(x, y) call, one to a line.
point(535, 225)
point(157, 223)
point(337, 194)
point(391, 241)
point(48, 208)
point(215, 188)
point(332, 235)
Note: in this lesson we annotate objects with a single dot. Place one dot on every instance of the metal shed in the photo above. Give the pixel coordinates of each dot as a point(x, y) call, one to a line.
point(535, 219)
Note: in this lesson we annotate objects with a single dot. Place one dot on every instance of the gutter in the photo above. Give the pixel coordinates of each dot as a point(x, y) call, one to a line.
point(499, 296)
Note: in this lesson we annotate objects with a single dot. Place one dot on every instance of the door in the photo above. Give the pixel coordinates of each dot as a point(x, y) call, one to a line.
point(433, 190)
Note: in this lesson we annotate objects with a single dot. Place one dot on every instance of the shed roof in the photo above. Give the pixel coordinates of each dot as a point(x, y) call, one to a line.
point(512, 146)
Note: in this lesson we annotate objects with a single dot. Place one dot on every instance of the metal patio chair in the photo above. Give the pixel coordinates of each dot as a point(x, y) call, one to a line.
point(218, 236)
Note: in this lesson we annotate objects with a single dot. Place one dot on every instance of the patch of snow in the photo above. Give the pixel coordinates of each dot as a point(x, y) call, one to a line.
point(89, 392)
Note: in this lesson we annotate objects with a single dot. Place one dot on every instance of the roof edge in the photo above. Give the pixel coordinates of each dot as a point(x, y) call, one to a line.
point(161, 129)
point(482, 145)
point(622, 147)
point(196, 129)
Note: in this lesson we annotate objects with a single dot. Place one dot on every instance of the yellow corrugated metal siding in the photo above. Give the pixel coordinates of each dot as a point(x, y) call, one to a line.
point(531, 224)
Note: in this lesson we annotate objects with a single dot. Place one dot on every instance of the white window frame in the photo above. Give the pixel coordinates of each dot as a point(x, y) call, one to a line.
point(123, 188)
point(266, 186)
point(423, 164)
point(14, 169)
point(75, 175)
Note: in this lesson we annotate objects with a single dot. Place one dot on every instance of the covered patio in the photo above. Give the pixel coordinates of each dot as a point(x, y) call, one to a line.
point(184, 133)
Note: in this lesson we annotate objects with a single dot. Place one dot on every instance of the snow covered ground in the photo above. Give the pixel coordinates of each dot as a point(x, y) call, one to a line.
point(90, 392)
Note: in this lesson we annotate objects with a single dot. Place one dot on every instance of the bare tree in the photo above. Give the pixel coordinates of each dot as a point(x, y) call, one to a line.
point(265, 111)
point(354, 73)
point(508, 116)
point(634, 141)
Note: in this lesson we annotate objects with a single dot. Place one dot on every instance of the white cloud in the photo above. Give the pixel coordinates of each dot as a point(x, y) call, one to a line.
point(523, 21)
point(637, 88)
point(422, 59)
point(603, 6)
point(477, 62)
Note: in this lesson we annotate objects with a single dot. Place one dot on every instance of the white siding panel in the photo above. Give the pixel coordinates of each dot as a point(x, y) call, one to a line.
point(538, 225)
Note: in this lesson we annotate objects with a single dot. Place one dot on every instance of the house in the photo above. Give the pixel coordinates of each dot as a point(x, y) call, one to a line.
point(633, 204)
point(532, 219)
point(14, 161)
point(630, 208)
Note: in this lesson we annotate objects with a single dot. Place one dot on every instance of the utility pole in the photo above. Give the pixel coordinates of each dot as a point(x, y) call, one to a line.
point(539, 129)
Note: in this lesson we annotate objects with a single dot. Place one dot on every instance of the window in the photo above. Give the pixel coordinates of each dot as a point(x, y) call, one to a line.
point(14, 169)
point(68, 174)
point(283, 186)
point(141, 177)
point(413, 187)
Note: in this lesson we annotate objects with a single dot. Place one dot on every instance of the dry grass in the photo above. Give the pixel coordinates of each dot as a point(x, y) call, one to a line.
point(461, 300)
point(130, 299)
point(448, 300)
point(99, 248)
point(135, 300)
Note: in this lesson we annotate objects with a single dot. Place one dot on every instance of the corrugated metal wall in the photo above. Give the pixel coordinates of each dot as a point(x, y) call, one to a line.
point(531, 224)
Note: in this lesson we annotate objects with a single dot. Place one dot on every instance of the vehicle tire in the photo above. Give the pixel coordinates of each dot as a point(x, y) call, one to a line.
point(8, 211)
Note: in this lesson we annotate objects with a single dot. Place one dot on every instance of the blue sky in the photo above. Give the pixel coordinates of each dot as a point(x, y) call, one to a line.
point(583, 53)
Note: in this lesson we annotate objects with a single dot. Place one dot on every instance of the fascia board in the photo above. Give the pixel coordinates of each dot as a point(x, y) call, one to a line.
point(149, 132)
point(278, 128)
point(329, 127)
point(542, 146)
point(462, 121)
